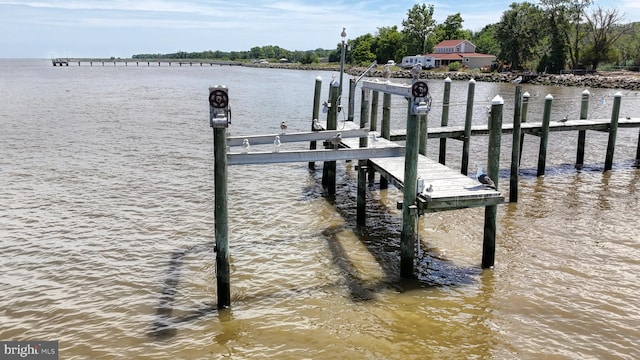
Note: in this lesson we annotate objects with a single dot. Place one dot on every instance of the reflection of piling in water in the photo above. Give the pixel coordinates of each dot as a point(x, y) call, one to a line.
point(165, 323)
point(162, 325)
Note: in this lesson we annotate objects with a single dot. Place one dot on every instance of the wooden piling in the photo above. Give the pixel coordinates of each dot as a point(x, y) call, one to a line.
point(361, 200)
point(523, 118)
point(493, 167)
point(442, 153)
point(544, 135)
point(515, 147)
point(315, 115)
point(638, 151)
point(373, 126)
point(422, 142)
point(613, 131)
point(332, 124)
point(582, 134)
point(466, 141)
point(408, 236)
point(373, 123)
point(352, 94)
point(385, 130)
point(221, 218)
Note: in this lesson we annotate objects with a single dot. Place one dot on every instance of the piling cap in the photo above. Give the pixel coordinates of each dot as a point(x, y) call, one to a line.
point(548, 97)
point(526, 94)
point(472, 81)
point(447, 79)
point(319, 78)
point(586, 92)
point(497, 100)
point(618, 94)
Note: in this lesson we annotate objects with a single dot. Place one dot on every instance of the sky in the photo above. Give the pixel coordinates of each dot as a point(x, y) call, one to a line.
point(122, 28)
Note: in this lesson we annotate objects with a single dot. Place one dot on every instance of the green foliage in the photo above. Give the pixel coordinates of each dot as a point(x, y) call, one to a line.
point(486, 40)
point(629, 47)
point(309, 57)
point(264, 52)
point(604, 32)
point(451, 29)
point(455, 66)
point(363, 50)
point(416, 27)
point(518, 32)
point(389, 44)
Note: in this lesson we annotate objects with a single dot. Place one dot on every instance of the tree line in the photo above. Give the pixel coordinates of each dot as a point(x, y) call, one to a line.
point(550, 36)
point(256, 53)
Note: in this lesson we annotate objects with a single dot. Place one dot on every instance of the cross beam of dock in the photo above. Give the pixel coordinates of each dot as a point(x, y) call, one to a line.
point(532, 128)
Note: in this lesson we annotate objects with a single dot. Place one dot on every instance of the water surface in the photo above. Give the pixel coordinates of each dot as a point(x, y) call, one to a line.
point(106, 230)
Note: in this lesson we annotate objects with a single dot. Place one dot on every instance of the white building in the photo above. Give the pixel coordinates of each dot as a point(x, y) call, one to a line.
point(426, 61)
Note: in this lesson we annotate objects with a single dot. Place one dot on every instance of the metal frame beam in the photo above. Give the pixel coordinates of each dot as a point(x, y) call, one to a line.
point(313, 155)
point(388, 88)
point(297, 137)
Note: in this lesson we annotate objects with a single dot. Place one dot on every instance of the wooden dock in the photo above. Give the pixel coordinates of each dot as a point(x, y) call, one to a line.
point(450, 190)
point(427, 185)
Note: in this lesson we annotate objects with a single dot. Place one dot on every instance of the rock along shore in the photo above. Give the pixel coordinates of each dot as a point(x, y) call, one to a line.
point(625, 80)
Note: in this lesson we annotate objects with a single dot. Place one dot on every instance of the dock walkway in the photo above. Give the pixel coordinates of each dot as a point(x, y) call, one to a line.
point(450, 189)
point(532, 128)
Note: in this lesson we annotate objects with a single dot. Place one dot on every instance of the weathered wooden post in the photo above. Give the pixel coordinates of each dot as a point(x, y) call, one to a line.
point(523, 118)
point(408, 235)
point(582, 134)
point(408, 239)
point(515, 147)
point(493, 167)
point(373, 126)
point(332, 124)
point(375, 98)
point(315, 115)
point(352, 93)
point(638, 151)
point(218, 120)
point(442, 153)
point(613, 131)
point(422, 134)
point(385, 130)
point(361, 200)
point(544, 135)
point(466, 141)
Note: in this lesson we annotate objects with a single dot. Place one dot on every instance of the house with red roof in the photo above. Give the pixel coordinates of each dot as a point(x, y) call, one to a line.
point(449, 51)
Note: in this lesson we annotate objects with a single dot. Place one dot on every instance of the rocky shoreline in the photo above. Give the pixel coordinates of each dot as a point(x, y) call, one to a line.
point(624, 80)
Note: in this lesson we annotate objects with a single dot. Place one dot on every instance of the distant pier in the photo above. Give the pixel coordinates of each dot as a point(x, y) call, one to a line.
point(60, 62)
point(142, 62)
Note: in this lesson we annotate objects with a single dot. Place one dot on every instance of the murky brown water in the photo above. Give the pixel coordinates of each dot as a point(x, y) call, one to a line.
point(106, 231)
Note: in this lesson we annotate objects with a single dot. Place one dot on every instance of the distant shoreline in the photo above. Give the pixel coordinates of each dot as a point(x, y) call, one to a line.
point(624, 80)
